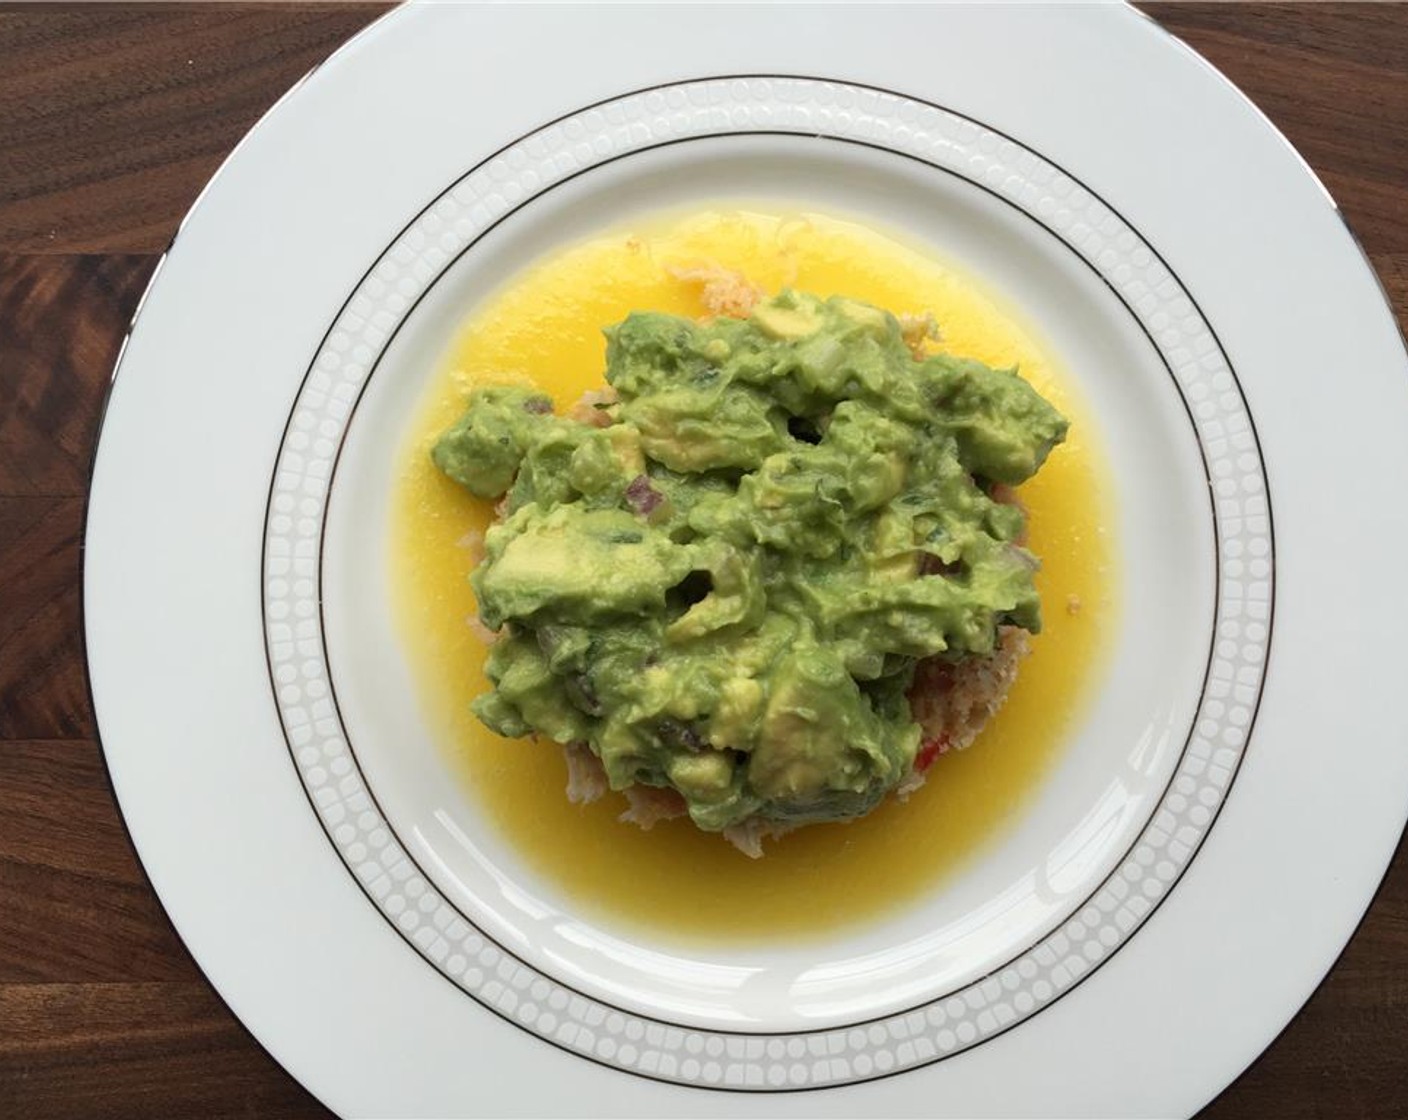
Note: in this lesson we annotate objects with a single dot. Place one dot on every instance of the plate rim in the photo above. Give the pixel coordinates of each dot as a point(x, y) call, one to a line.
point(1051, 928)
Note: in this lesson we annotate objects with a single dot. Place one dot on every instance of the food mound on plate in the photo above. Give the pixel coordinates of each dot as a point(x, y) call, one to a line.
point(769, 574)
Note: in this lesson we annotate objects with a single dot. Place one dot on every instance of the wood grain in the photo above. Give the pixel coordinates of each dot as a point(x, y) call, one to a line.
point(63, 318)
point(117, 114)
point(112, 117)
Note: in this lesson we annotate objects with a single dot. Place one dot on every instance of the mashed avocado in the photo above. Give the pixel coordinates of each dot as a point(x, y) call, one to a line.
point(724, 586)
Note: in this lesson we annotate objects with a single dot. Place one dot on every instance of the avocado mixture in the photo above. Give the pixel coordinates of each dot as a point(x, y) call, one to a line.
point(724, 585)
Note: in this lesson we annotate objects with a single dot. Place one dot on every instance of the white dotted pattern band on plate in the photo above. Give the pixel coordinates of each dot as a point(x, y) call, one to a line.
point(303, 478)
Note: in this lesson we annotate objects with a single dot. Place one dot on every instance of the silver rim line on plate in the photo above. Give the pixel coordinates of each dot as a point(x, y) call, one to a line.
point(831, 112)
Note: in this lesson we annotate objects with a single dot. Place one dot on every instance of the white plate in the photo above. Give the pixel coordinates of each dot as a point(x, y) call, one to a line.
point(1220, 819)
point(1088, 817)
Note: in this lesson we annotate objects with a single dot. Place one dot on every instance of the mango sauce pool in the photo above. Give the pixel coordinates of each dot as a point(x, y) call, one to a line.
point(544, 327)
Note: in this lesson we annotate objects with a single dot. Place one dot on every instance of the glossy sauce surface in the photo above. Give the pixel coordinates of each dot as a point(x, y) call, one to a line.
point(544, 327)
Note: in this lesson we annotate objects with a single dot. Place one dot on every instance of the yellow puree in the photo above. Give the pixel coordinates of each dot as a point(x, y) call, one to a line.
point(544, 327)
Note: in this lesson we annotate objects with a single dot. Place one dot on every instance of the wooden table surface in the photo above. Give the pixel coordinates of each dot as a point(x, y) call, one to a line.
point(111, 119)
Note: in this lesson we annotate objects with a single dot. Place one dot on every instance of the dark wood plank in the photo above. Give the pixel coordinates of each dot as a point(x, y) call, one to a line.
point(136, 1051)
point(64, 320)
point(1392, 269)
point(111, 119)
point(43, 693)
point(1343, 1057)
point(1334, 79)
point(115, 115)
point(1363, 33)
point(79, 908)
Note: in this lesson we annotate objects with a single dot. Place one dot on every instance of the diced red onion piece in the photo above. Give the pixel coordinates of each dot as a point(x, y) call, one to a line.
point(642, 496)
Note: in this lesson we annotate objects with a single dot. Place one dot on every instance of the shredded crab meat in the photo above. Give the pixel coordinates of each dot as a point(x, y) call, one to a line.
point(724, 292)
point(591, 407)
point(586, 780)
point(473, 545)
point(951, 702)
point(918, 331)
point(482, 632)
point(912, 782)
point(748, 837)
point(647, 806)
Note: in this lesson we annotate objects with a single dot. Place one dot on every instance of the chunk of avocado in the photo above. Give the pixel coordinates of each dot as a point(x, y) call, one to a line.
point(788, 323)
point(802, 748)
point(578, 566)
point(484, 449)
